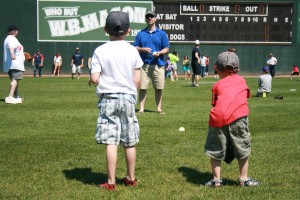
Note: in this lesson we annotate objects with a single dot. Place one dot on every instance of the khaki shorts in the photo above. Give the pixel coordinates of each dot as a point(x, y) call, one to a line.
point(15, 74)
point(237, 132)
point(76, 68)
point(156, 74)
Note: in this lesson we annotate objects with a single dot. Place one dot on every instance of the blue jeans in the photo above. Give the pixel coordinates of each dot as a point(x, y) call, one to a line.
point(202, 71)
point(272, 70)
point(38, 68)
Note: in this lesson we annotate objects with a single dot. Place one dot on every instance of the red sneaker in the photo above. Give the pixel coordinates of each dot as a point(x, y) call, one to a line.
point(127, 182)
point(107, 186)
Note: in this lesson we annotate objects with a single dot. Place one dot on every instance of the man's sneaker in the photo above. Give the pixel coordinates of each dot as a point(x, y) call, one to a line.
point(12, 100)
point(107, 186)
point(127, 182)
point(17, 97)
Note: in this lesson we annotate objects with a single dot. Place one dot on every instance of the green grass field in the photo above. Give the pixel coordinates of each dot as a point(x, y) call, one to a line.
point(48, 150)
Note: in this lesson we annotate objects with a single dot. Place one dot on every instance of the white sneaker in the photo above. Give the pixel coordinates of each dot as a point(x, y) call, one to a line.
point(12, 100)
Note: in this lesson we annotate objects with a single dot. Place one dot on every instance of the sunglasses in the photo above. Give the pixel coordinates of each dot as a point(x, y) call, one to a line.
point(149, 16)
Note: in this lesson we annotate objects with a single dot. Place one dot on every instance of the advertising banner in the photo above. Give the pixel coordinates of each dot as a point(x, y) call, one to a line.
point(84, 20)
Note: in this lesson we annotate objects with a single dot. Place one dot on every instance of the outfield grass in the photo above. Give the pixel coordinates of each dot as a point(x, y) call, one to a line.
point(48, 150)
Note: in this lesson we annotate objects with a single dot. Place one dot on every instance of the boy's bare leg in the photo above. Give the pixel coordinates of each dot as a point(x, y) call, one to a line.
point(158, 99)
point(197, 79)
point(13, 87)
point(16, 93)
point(130, 155)
point(142, 97)
point(111, 162)
point(243, 165)
point(216, 168)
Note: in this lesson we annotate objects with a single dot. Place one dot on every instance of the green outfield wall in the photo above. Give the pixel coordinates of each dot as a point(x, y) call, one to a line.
point(36, 33)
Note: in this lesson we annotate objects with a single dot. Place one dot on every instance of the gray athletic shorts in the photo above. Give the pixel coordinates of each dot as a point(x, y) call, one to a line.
point(117, 122)
point(237, 132)
point(15, 74)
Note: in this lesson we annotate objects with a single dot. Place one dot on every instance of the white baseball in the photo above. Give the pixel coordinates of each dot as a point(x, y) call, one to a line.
point(181, 129)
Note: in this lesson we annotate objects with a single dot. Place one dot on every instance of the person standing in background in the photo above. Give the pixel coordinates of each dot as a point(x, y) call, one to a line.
point(196, 64)
point(57, 64)
point(203, 60)
point(13, 63)
point(77, 63)
point(174, 59)
point(272, 61)
point(207, 65)
point(216, 75)
point(186, 69)
point(152, 43)
point(37, 63)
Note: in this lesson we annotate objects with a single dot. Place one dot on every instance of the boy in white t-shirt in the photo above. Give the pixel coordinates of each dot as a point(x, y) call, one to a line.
point(13, 63)
point(203, 60)
point(116, 72)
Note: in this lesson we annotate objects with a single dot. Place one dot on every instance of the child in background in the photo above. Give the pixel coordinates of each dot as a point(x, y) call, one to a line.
point(228, 121)
point(186, 69)
point(203, 60)
point(169, 69)
point(216, 75)
point(295, 71)
point(116, 72)
point(264, 83)
point(174, 58)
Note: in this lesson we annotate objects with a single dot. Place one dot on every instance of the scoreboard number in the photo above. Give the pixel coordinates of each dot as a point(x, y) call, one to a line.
point(230, 22)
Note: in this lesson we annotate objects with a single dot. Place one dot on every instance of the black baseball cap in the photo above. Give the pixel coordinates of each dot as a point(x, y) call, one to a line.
point(117, 23)
point(12, 27)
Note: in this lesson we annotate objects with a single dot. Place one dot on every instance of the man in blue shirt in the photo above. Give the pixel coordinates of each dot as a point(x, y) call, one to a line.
point(77, 63)
point(152, 43)
point(37, 63)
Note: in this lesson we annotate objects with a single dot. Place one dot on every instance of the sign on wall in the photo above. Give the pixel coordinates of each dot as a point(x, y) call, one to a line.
point(226, 22)
point(84, 20)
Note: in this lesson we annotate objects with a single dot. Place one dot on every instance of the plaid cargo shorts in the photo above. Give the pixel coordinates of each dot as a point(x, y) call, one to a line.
point(117, 122)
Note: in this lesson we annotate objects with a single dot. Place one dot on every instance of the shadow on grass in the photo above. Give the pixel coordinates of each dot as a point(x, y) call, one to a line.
point(3, 100)
point(150, 111)
point(86, 176)
point(200, 178)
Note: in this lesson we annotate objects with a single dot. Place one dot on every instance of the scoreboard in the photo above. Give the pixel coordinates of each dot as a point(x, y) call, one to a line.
point(230, 22)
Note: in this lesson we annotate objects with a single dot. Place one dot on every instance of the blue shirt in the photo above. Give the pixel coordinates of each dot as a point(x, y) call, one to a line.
point(156, 41)
point(77, 57)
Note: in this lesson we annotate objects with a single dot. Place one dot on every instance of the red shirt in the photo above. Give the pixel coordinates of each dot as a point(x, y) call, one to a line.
point(295, 69)
point(229, 101)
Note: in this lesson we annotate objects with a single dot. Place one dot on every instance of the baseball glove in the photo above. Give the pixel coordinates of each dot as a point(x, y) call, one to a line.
point(28, 57)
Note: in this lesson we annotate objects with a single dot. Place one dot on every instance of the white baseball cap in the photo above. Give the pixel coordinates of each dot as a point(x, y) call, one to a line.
point(197, 42)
